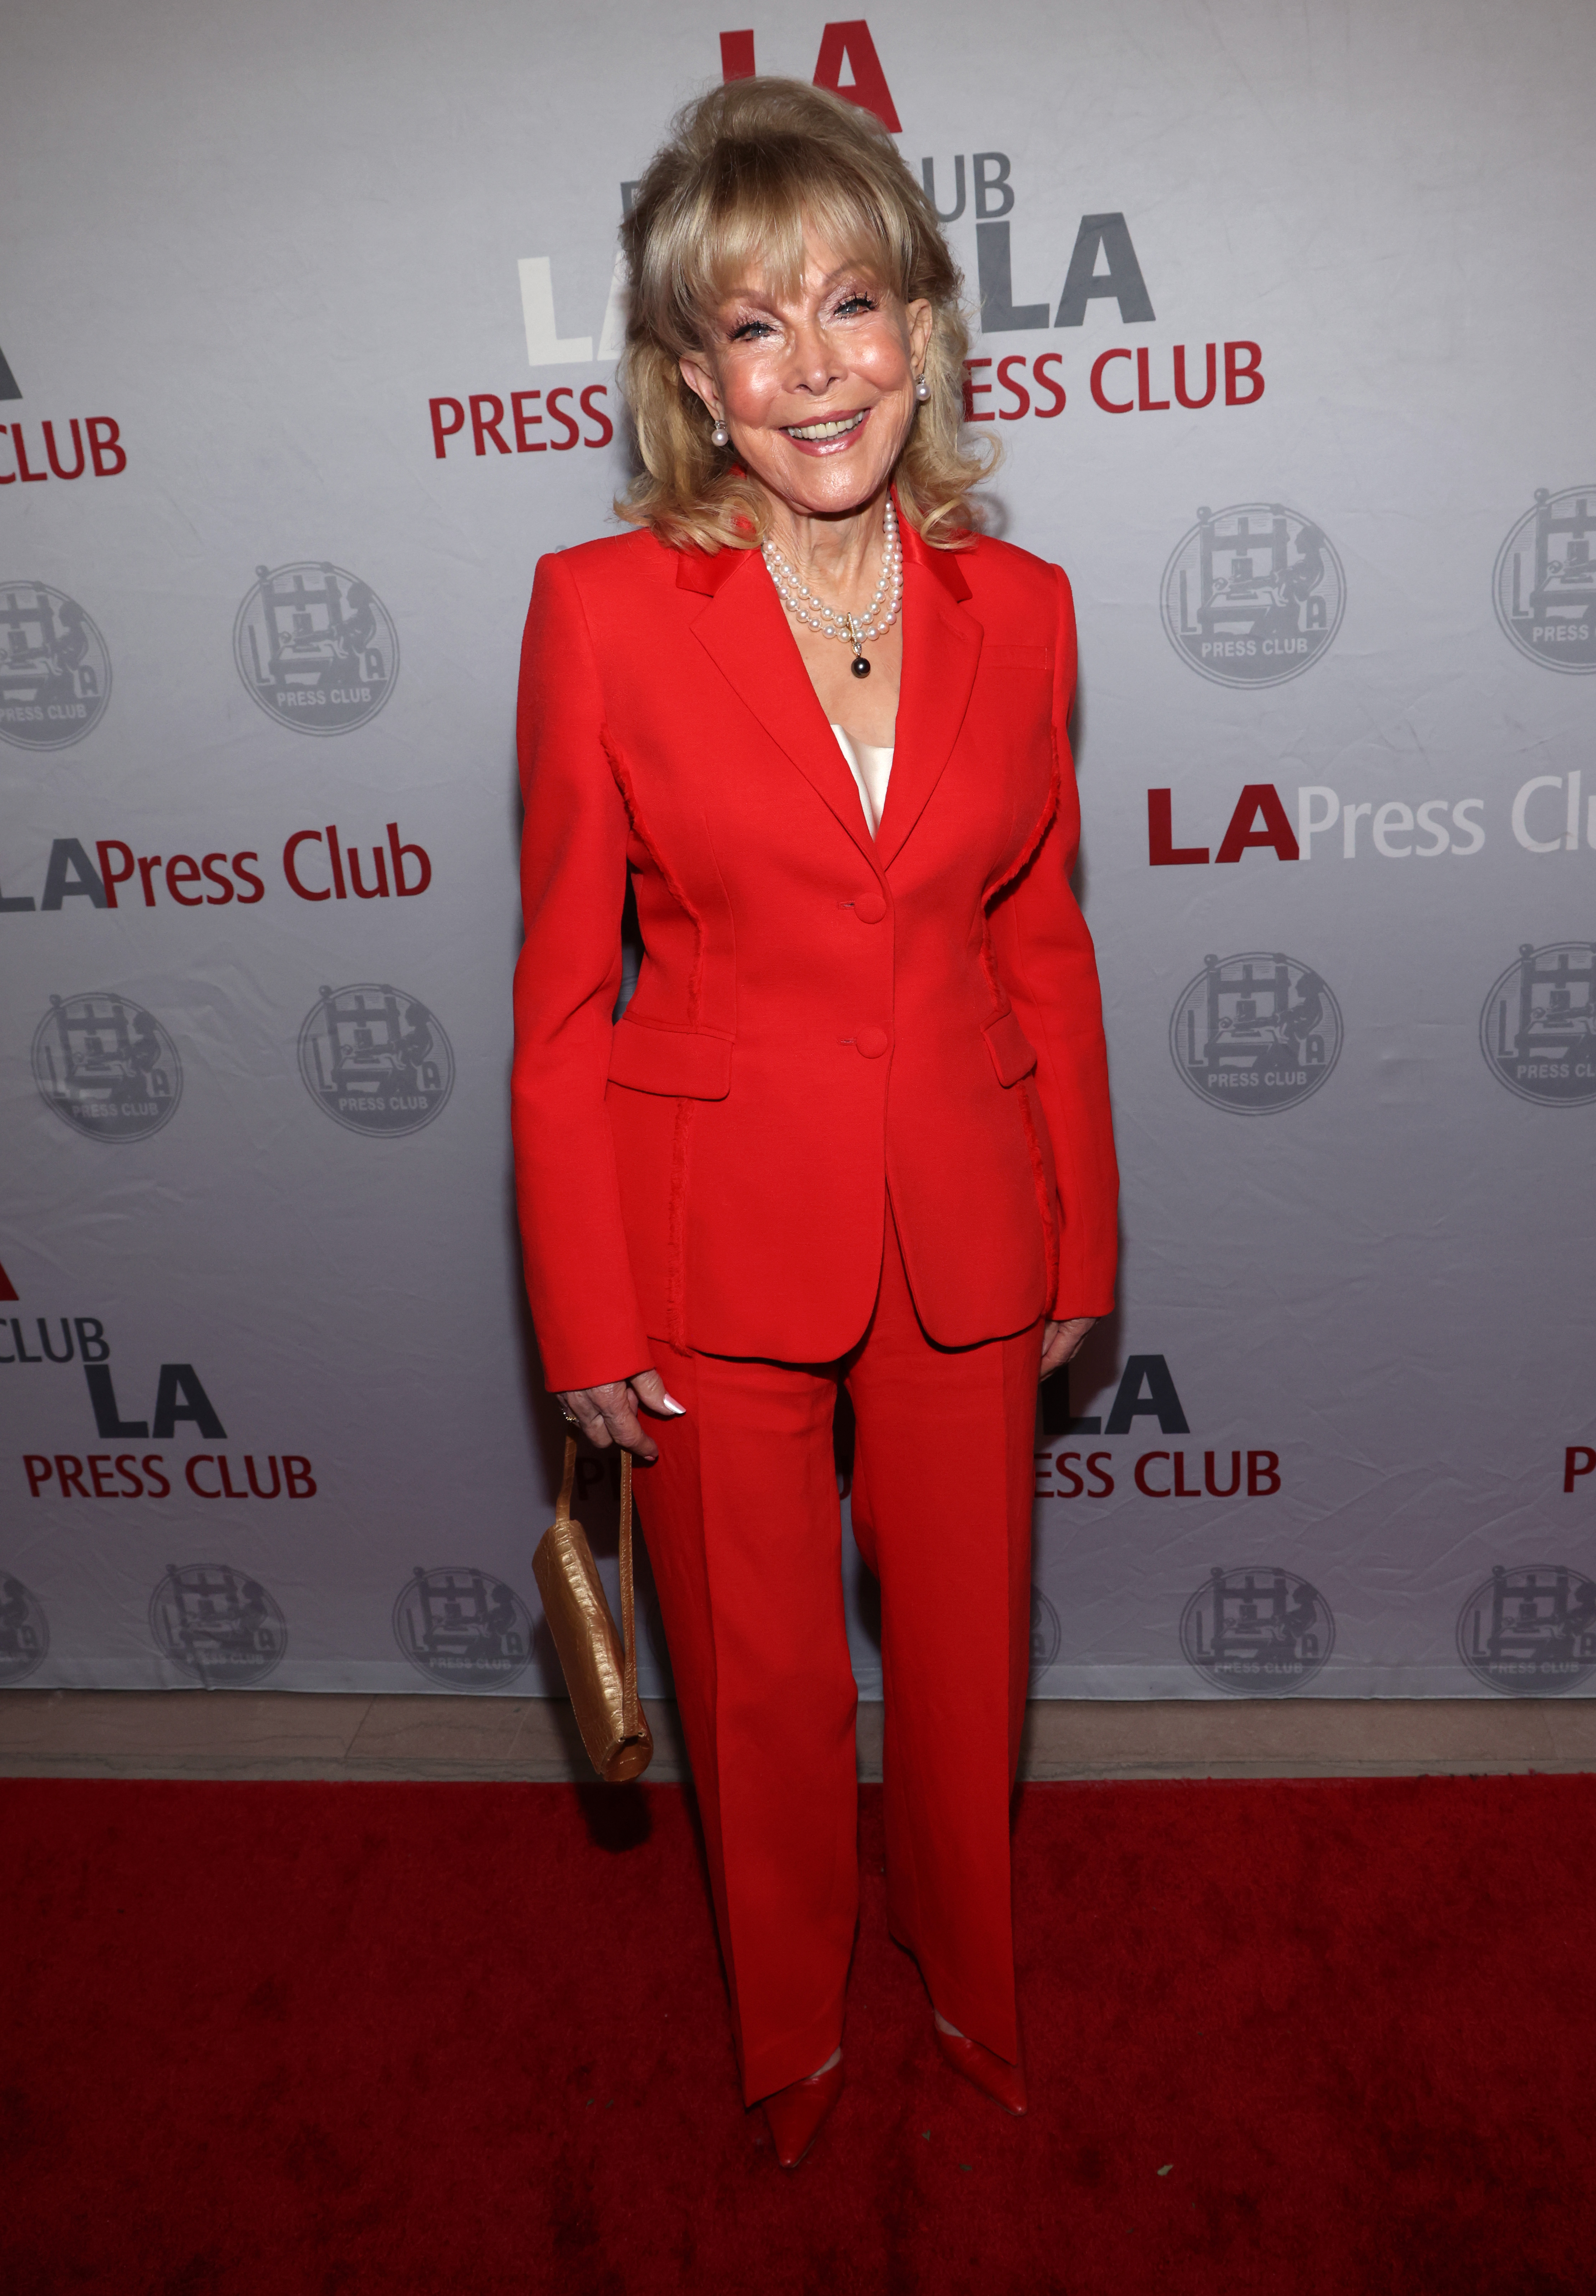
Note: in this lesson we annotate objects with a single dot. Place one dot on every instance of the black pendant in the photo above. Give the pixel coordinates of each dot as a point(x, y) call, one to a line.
point(859, 666)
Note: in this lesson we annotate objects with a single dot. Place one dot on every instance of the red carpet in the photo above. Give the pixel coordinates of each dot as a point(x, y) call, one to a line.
point(1283, 2037)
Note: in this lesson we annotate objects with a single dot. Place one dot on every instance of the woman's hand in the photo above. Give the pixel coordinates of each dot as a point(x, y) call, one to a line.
point(608, 1413)
point(1061, 1342)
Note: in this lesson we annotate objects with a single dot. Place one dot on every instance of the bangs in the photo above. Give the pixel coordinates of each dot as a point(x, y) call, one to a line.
point(751, 220)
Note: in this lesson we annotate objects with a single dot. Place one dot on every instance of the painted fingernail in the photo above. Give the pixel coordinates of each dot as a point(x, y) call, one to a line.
point(672, 1404)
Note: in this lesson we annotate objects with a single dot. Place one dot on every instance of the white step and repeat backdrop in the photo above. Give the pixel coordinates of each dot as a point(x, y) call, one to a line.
point(308, 319)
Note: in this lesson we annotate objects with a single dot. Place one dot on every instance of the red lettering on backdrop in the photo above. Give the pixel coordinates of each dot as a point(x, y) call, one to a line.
point(28, 478)
point(486, 426)
point(557, 414)
point(1162, 851)
point(248, 877)
point(1148, 404)
point(852, 45)
point(1277, 834)
point(298, 1477)
point(38, 1469)
point(1236, 373)
point(108, 456)
point(111, 878)
point(1180, 377)
point(1575, 1453)
point(8, 479)
point(442, 430)
point(305, 892)
point(400, 853)
point(183, 870)
point(972, 390)
point(1046, 383)
point(737, 55)
point(606, 428)
point(1109, 405)
point(1263, 1474)
point(523, 422)
point(76, 470)
point(1016, 390)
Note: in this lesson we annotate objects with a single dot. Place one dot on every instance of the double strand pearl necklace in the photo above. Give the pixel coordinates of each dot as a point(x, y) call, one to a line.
point(877, 617)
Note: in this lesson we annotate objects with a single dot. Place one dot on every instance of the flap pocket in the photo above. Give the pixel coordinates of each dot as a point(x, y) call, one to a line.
point(1017, 657)
point(1013, 1055)
point(681, 1063)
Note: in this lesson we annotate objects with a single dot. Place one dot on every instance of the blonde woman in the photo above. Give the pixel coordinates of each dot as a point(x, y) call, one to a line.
point(853, 1128)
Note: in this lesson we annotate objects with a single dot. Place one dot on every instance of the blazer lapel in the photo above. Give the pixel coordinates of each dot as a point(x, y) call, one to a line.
point(942, 647)
point(744, 631)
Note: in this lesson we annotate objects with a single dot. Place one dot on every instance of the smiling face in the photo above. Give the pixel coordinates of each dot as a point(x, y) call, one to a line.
point(816, 388)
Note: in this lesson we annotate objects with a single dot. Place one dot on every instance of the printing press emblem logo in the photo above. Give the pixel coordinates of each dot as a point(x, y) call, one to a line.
point(1253, 595)
point(1544, 585)
point(375, 1059)
point(1538, 1028)
point(106, 1066)
point(315, 646)
point(55, 671)
point(24, 1632)
point(1530, 1630)
point(1257, 1633)
point(217, 1624)
point(464, 1628)
point(1046, 1634)
point(1254, 1033)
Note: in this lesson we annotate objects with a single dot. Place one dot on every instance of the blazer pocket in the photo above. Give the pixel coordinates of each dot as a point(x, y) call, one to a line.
point(1013, 1054)
point(1017, 657)
point(681, 1064)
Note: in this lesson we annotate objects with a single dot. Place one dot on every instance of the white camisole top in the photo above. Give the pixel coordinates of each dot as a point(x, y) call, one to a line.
point(870, 769)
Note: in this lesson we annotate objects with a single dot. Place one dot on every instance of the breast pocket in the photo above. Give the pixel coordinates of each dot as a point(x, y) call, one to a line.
point(1016, 657)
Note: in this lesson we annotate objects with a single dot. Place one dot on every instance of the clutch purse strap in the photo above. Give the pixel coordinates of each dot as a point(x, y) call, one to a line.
point(631, 1712)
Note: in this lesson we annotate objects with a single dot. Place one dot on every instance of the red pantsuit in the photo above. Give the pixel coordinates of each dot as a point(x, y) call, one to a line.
point(853, 1123)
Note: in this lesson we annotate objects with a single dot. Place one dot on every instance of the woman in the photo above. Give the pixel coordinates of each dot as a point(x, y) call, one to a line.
point(853, 1126)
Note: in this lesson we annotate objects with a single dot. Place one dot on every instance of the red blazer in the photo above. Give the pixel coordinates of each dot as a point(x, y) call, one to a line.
point(823, 1019)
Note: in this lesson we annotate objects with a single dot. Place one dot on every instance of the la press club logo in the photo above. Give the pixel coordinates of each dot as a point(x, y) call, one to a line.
point(1257, 1632)
point(55, 668)
point(1537, 1028)
point(463, 1629)
point(1544, 583)
point(1255, 1033)
point(315, 646)
point(375, 1059)
point(1530, 1629)
point(107, 1067)
point(24, 1632)
point(1252, 594)
point(218, 1626)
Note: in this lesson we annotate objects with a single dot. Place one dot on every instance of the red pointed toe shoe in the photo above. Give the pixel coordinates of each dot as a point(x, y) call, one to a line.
point(796, 2112)
point(994, 2076)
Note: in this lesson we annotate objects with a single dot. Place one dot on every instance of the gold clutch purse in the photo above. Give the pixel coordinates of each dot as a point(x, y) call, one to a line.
point(600, 1669)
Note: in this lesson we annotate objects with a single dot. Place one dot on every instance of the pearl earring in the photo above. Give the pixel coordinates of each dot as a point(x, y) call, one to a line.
point(720, 436)
point(922, 390)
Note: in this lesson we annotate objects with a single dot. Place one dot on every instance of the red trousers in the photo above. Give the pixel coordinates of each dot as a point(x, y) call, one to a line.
point(743, 1527)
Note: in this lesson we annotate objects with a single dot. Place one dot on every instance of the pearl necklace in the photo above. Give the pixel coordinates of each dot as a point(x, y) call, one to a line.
point(879, 616)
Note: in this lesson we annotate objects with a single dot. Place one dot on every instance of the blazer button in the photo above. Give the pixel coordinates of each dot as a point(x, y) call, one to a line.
point(870, 908)
point(872, 1042)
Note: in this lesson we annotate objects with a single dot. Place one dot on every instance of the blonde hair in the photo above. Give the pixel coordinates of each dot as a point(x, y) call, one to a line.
point(744, 169)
